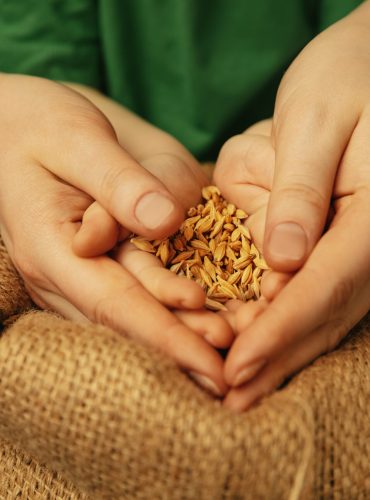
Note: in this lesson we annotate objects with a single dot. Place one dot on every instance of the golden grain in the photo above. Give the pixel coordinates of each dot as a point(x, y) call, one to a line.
point(143, 244)
point(214, 248)
point(214, 305)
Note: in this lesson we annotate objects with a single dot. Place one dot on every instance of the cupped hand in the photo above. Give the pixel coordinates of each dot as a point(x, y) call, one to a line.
point(59, 154)
point(322, 104)
point(308, 313)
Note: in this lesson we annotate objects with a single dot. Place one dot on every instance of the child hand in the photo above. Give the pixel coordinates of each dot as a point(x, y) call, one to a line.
point(308, 314)
point(183, 296)
point(58, 153)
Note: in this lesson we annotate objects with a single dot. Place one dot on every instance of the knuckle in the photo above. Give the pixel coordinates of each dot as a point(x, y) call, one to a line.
point(103, 312)
point(250, 151)
point(112, 179)
point(162, 166)
point(298, 188)
point(232, 145)
point(106, 310)
point(341, 293)
point(85, 121)
point(229, 150)
point(165, 161)
point(301, 106)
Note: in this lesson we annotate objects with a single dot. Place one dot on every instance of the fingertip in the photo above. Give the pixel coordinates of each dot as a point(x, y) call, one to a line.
point(180, 292)
point(195, 296)
point(209, 325)
point(81, 243)
point(217, 389)
point(235, 360)
point(272, 283)
point(238, 400)
point(97, 234)
point(88, 243)
point(221, 334)
point(234, 404)
point(233, 305)
point(177, 291)
point(230, 314)
point(248, 313)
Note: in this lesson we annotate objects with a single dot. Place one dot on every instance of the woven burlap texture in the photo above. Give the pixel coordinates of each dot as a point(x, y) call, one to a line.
point(86, 413)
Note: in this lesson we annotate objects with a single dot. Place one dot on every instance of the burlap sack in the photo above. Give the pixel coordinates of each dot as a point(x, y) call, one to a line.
point(86, 413)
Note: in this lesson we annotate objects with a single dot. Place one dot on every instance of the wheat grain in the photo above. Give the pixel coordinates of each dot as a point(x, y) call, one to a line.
point(214, 248)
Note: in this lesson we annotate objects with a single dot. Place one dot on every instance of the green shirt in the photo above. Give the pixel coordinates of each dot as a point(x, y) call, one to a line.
point(202, 70)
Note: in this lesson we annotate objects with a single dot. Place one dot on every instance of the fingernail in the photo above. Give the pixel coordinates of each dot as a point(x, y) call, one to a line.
point(288, 241)
point(206, 383)
point(153, 210)
point(248, 372)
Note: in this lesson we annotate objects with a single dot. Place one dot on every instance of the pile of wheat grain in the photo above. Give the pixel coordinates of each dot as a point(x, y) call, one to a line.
point(213, 248)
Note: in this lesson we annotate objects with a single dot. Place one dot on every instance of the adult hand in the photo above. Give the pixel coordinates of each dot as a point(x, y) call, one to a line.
point(306, 315)
point(322, 104)
point(59, 153)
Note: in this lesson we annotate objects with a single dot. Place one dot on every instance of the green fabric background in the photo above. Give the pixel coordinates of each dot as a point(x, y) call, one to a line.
point(201, 69)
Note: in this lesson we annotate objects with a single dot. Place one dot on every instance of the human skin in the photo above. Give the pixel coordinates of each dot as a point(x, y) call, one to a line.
point(60, 153)
point(313, 154)
point(318, 147)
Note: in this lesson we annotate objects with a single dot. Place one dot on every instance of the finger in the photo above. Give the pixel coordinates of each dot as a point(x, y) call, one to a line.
point(213, 327)
point(184, 179)
point(256, 224)
point(106, 293)
point(95, 162)
point(325, 289)
point(97, 234)
point(247, 314)
point(229, 315)
point(244, 171)
point(99, 288)
point(353, 173)
point(244, 174)
point(309, 142)
point(295, 358)
point(169, 289)
point(273, 282)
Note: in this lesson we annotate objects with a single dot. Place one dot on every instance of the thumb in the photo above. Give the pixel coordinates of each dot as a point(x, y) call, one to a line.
point(90, 158)
point(309, 144)
point(98, 233)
